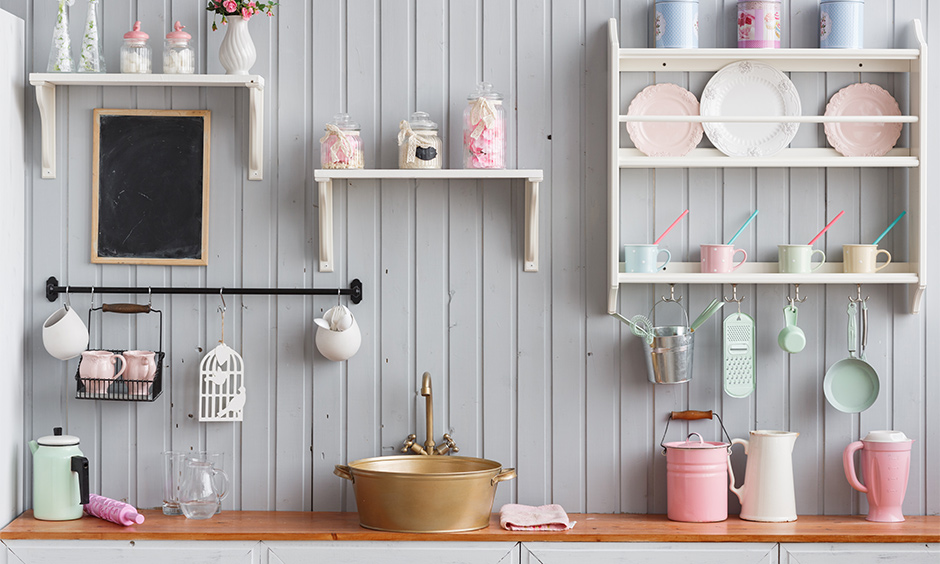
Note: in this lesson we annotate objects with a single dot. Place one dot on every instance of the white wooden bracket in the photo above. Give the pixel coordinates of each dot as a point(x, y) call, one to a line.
point(533, 177)
point(46, 83)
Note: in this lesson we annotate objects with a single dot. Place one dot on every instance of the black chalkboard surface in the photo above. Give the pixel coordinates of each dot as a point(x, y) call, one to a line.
point(150, 183)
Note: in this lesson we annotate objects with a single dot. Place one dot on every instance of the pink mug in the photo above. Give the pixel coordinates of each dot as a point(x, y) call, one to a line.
point(720, 258)
point(96, 369)
point(141, 367)
point(885, 464)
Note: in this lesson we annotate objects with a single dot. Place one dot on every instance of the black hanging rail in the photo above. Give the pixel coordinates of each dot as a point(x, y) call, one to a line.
point(53, 289)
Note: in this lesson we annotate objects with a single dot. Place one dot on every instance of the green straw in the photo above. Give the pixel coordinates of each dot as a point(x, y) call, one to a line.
point(893, 223)
point(742, 227)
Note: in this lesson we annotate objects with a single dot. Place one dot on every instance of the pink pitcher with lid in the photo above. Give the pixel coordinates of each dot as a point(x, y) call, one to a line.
point(696, 474)
point(885, 463)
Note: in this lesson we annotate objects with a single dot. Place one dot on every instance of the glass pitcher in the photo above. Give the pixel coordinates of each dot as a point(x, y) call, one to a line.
point(202, 488)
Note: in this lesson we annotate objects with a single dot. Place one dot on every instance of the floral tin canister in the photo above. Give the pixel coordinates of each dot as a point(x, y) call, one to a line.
point(758, 24)
point(675, 24)
point(841, 24)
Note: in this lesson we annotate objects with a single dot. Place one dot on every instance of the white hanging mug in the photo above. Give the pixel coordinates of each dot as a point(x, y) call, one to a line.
point(63, 334)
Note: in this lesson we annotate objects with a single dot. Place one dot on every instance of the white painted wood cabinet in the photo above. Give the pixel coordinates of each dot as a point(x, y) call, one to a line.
point(857, 553)
point(910, 61)
point(138, 552)
point(649, 553)
point(391, 552)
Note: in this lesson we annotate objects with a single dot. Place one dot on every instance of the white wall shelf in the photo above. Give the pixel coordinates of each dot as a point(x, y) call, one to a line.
point(911, 61)
point(532, 177)
point(46, 83)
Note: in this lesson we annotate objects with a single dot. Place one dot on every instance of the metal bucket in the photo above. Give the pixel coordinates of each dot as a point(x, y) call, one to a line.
point(669, 359)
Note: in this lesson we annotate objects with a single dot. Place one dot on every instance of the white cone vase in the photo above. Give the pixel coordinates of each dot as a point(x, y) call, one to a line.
point(237, 52)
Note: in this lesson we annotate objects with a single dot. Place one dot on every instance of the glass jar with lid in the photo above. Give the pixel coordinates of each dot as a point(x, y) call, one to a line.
point(418, 143)
point(341, 146)
point(135, 52)
point(178, 55)
point(484, 129)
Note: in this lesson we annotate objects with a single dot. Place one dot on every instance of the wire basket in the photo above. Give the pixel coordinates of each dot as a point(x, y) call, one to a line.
point(121, 388)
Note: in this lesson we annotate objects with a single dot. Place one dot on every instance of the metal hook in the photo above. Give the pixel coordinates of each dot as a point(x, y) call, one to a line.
point(339, 294)
point(858, 295)
point(797, 298)
point(734, 297)
point(672, 295)
point(92, 304)
point(221, 297)
point(149, 296)
point(68, 302)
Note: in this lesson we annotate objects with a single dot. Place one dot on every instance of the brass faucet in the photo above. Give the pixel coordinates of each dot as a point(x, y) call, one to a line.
point(429, 448)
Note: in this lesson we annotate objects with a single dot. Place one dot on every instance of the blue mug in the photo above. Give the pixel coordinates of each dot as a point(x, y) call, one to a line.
point(642, 258)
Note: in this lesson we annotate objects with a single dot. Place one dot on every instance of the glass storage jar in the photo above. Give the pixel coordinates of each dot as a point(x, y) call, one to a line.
point(178, 55)
point(341, 146)
point(484, 129)
point(418, 143)
point(135, 53)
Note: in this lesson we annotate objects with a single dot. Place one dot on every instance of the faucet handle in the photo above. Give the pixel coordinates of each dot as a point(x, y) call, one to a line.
point(448, 444)
point(409, 442)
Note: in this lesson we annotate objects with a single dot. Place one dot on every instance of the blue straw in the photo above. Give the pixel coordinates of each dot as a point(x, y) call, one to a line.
point(743, 226)
point(893, 223)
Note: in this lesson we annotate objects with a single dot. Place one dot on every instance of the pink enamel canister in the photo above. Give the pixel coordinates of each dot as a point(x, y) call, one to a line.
point(697, 474)
point(885, 463)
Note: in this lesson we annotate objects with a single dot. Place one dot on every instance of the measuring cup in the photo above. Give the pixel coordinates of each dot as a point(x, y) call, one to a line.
point(791, 337)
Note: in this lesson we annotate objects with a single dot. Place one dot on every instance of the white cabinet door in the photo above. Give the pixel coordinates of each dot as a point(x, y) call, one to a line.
point(394, 552)
point(138, 552)
point(648, 553)
point(856, 553)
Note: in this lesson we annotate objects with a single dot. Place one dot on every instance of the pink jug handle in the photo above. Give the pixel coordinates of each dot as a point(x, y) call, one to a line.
point(123, 360)
point(848, 463)
point(152, 363)
point(737, 491)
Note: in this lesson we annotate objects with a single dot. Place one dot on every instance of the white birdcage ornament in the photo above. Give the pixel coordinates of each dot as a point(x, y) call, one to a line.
point(221, 382)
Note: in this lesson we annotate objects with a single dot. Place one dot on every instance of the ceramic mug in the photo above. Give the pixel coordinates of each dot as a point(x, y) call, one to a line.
point(63, 334)
point(798, 259)
point(142, 367)
point(642, 258)
point(96, 370)
point(720, 258)
point(863, 258)
point(339, 345)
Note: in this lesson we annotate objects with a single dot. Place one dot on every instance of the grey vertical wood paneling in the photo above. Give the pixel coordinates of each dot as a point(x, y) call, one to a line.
point(527, 369)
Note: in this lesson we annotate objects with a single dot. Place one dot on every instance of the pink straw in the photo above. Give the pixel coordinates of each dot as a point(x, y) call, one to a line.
point(656, 242)
point(828, 225)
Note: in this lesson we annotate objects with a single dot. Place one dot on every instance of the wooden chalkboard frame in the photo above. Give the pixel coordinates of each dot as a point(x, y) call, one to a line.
point(108, 182)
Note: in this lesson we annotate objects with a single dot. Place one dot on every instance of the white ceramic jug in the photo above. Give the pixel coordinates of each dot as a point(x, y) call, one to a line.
point(768, 493)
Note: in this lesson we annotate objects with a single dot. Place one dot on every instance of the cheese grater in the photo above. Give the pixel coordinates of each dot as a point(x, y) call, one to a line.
point(738, 357)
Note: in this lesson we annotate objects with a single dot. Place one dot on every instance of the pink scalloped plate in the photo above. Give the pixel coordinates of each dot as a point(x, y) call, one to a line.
point(664, 139)
point(863, 139)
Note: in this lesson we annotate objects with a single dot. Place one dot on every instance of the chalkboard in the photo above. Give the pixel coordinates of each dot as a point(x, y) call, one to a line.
point(150, 183)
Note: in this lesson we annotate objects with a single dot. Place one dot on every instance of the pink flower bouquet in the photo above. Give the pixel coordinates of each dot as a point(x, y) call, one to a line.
point(243, 8)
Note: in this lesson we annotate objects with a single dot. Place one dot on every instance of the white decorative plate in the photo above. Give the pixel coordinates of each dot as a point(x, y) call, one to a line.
point(664, 139)
point(749, 88)
point(863, 139)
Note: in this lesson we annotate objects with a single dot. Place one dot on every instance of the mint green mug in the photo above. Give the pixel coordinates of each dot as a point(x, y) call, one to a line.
point(798, 258)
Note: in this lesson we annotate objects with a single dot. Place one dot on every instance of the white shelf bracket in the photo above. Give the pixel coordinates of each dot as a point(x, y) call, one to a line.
point(326, 224)
point(255, 132)
point(45, 99)
point(532, 224)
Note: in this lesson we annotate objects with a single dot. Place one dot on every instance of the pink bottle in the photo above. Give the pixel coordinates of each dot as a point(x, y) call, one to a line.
point(885, 462)
point(113, 510)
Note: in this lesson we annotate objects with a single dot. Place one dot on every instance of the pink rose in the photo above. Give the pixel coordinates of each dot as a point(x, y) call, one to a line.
point(246, 14)
point(230, 6)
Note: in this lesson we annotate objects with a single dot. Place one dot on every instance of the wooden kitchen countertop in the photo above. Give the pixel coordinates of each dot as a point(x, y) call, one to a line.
point(591, 527)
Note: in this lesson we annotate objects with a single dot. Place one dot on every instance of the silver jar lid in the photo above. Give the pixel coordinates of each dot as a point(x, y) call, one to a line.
point(422, 121)
point(485, 90)
point(344, 122)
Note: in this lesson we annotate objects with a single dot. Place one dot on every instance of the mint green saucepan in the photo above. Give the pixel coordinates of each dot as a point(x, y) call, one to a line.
point(851, 385)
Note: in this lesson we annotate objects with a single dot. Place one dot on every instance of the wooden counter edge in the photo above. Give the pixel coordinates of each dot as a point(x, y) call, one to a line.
point(317, 526)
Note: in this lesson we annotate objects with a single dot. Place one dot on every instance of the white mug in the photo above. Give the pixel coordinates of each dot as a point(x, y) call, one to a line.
point(339, 345)
point(63, 334)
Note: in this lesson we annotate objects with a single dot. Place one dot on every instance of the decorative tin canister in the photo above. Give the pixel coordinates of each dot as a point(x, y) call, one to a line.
point(841, 24)
point(758, 24)
point(676, 24)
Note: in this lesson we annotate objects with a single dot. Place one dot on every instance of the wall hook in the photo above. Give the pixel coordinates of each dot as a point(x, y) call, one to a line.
point(672, 295)
point(797, 298)
point(734, 297)
point(858, 295)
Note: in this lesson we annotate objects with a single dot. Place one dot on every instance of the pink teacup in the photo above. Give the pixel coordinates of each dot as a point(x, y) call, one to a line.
point(141, 367)
point(720, 258)
point(97, 370)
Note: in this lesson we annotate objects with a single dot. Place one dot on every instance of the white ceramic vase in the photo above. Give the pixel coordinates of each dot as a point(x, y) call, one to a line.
point(237, 52)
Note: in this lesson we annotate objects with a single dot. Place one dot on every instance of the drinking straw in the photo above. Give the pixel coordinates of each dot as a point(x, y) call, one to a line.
point(742, 227)
point(656, 242)
point(893, 223)
point(828, 225)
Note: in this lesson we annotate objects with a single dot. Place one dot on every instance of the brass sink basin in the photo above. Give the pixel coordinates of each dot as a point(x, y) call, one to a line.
point(424, 494)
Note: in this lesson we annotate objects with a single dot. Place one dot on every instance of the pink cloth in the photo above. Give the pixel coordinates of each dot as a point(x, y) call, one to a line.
point(515, 517)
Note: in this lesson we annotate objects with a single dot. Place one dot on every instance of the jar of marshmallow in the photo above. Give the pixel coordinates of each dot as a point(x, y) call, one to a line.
point(178, 55)
point(341, 146)
point(135, 53)
point(484, 129)
point(418, 143)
